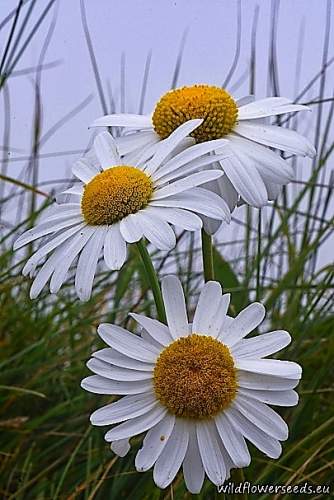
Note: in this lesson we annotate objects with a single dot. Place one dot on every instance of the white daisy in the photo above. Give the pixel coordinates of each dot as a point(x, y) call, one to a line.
point(253, 172)
point(115, 204)
point(197, 390)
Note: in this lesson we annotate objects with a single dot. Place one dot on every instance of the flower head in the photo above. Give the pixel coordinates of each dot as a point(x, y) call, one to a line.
point(199, 390)
point(116, 203)
point(253, 172)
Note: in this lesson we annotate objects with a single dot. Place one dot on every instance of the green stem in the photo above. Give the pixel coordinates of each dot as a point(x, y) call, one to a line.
point(207, 256)
point(153, 280)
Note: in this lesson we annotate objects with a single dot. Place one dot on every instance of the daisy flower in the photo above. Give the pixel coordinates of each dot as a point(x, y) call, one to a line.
point(253, 172)
point(115, 204)
point(198, 391)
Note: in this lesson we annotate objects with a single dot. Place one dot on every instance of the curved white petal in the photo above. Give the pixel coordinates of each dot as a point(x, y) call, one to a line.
point(207, 308)
point(276, 398)
point(120, 447)
point(116, 372)
point(158, 331)
point(156, 230)
point(106, 150)
point(267, 444)
point(87, 264)
point(123, 120)
point(84, 170)
point(171, 458)
point(45, 272)
point(193, 471)
point(130, 230)
point(137, 425)
point(262, 345)
point(154, 442)
point(249, 380)
point(269, 107)
point(246, 321)
point(116, 358)
point(177, 216)
point(124, 409)
point(128, 143)
point(233, 441)
point(127, 343)
point(276, 367)
point(276, 137)
point(101, 385)
point(187, 183)
point(175, 306)
point(212, 458)
point(114, 251)
point(261, 415)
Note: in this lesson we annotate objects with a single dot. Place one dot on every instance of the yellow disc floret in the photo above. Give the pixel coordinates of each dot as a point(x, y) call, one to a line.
point(213, 104)
point(115, 193)
point(195, 377)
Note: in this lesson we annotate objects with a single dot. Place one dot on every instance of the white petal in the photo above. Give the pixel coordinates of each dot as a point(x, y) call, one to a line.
point(198, 200)
point(246, 321)
point(275, 367)
point(154, 442)
point(130, 230)
point(123, 120)
point(194, 152)
point(49, 246)
point(233, 441)
point(114, 251)
point(106, 150)
point(250, 380)
point(262, 345)
point(177, 216)
point(187, 183)
point(277, 137)
point(157, 330)
point(116, 358)
point(227, 191)
point(46, 228)
point(101, 385)
point(193, 471)
point(212, 458)
point(267, 444)
point(175, 306)
point(268, 107)
point(70, 252)
point(61, 211)
point(127, 343)
point(171, 457)
point(278, 398)
point(84, 170)
point(45, 272)
point(207, 308)
point(166, 174)
point(120, 447)
point(245, 179)
point(137, 425)
point(157, 231)
point(264, 417)
point(166, 146)
point(124, 409)
point(269, 164)
point(245, 100)
point(115, 372)
point(128, 143)
point(87, 264)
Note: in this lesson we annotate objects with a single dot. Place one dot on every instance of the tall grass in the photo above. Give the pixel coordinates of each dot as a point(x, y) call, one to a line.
point(47, 447)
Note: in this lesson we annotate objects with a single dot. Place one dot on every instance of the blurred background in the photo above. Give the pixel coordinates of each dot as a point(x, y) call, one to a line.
point(63, 64)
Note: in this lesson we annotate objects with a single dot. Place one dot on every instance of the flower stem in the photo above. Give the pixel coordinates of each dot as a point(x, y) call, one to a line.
point(153, 280)
point(207, 256)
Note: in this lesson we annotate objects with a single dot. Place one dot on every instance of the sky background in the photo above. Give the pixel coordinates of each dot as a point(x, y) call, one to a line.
point(129, 30)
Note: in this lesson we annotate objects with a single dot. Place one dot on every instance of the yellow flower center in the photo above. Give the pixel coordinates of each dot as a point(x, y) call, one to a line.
point(195, 377)
point(213, 104)
point(115, 193)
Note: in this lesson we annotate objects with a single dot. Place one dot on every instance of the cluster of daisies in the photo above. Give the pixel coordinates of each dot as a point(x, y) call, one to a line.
point(198, 388)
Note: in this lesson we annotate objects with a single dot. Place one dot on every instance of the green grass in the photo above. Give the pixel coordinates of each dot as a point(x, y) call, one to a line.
point(47, 447)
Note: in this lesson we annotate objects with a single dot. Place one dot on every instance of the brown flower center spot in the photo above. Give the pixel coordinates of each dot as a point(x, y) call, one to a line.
point(195, 377)
point(115, 193)
point(213, 104)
